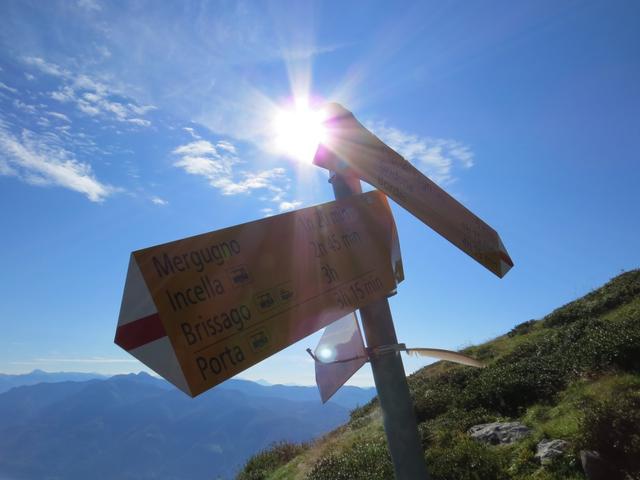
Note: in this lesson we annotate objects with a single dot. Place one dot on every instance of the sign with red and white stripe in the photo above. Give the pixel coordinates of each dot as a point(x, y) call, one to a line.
point(202, 309)
point(141, 332)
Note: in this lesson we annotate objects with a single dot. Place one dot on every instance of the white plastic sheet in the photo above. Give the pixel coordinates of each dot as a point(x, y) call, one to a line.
point(339, 354)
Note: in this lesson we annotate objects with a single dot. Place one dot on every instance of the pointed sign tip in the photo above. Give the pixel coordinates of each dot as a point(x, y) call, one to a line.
point(504, 268)
point(506, 263)
point(504, 256)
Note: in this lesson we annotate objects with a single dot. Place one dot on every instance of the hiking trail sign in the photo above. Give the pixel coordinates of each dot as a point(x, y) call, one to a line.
point(353, 150)
point(202, 309)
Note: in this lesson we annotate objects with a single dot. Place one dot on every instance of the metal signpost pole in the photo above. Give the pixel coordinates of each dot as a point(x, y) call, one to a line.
point(388, 372)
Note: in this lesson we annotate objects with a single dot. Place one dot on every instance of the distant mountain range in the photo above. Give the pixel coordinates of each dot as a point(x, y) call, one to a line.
point(77, 426)
point(7, 382)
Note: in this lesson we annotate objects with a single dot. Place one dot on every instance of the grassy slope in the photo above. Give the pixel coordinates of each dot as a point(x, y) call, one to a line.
point(573, 375)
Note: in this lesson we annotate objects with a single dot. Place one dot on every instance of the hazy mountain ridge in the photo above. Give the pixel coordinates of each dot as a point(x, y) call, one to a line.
point(573, 375)
point(138, 426)
point(7, 382)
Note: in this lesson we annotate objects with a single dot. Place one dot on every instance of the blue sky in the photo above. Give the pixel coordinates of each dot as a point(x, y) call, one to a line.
point(128, 124)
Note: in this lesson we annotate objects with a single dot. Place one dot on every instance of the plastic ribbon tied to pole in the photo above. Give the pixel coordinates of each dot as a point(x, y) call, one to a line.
point(341, 352)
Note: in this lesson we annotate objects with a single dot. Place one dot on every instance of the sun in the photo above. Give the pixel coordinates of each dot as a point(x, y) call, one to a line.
point(298, 130)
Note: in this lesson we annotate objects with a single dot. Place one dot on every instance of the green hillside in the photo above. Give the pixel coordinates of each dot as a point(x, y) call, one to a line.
point(573, 375)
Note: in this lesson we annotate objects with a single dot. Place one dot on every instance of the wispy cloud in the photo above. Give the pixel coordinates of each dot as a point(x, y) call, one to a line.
point(268, 211)
point(89, 5)
point(46, 67)
point(265, 179)
point(226, 146)
point(92, 97)
point(217, 164)
point(4, 86)
point(435, 157)
point(287, 206)
point(59, 116)
point(192, 132)
point(25, 107)
point(159, 201)
point(38, 160)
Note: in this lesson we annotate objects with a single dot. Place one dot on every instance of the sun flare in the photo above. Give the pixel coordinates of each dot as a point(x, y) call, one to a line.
point(298, 131)
point(327, 354)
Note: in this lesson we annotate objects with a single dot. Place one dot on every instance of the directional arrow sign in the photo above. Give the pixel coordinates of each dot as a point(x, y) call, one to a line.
point(351, 147)
point(202, 309)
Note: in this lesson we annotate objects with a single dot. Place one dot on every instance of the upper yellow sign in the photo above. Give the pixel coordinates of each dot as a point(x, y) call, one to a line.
point(230, 298)
point(351, 147)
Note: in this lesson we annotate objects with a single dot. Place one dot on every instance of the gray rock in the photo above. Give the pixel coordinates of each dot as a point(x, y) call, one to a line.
point(549, 449)
point(499, 433)
point(595, 468)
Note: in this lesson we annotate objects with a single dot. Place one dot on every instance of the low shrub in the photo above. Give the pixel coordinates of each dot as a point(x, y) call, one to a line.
point(537, 370)
point(612, 428)
point(438, 394)
point(616, 292)
point(362, 461)
point(522, 328)
point(260, 466)
point(358, 414)
point(485, 352)
point(466, 459)
point(527, 375)
point(445, 429)
point(609, 344)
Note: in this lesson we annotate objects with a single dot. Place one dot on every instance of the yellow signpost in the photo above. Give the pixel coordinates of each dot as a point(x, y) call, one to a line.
point(352, 149)
point(203, 309)
point(217, 303)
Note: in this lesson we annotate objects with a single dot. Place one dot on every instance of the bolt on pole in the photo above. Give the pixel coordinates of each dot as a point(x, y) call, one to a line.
point(388, 372)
